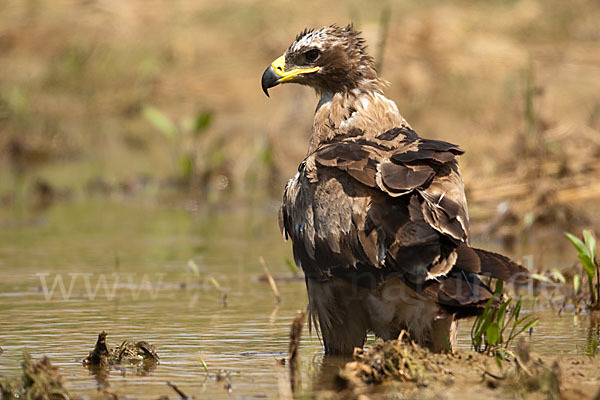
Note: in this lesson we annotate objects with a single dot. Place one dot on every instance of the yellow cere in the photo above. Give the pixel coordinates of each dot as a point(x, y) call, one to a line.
point(279, 68)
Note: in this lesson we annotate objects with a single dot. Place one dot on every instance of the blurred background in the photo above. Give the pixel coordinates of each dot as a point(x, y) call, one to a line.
point(160, 97)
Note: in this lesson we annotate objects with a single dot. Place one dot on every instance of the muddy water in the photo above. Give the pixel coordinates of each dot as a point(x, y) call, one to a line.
point(125, 268)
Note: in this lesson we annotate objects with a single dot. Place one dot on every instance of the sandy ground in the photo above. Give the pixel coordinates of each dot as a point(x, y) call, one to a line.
point(400, 370)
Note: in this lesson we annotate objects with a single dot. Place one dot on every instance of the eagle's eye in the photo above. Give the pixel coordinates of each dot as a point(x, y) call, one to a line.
point(312, 55)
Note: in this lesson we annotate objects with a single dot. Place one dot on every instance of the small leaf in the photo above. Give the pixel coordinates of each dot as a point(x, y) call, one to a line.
point(187, 166)
point(588, 265)
point(576, 284)
point(579, 245)
point(492, 334)
point(484, 319)
point(502, 313)
point(559, 276)
point(590, 242)
point(204, 365)
point(202, 121)
point(266, 156)
point(540, 277)
point(160, 121)
point(480, 325)
point(517, 309)
point(531, 324)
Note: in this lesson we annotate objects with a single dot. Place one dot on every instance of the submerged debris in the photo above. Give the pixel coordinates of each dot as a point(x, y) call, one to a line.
point(224, 376)
point(128, 353)
point(41, 381)
point(181, 394)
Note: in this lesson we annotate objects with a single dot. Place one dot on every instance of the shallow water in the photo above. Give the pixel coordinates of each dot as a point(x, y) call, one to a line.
point(126, 269)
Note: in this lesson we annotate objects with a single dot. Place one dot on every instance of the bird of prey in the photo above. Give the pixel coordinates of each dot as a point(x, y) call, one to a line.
point(377, 215)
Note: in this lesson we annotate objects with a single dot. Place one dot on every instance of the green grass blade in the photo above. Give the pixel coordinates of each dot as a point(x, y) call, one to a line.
point(576, 284)
point(204, 365)
point(590, 242)
point(588, 265)
point(533, 322)
point(499, 286)
point(517, 309)
point(578, 244)
point(502, 314)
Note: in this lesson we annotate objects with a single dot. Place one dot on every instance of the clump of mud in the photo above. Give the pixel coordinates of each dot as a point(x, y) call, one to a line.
point(408, 370)
point(392, 362)
point(40, 381)
point(140, 354)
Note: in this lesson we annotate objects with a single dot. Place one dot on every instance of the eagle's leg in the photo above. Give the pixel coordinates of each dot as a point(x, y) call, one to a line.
point(443, 334)
point(343, 320)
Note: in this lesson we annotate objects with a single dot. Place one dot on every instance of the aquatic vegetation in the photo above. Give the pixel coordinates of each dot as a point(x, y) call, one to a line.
point(40, 381)
point(127, 353)
point(586, 252)
point(498, 325)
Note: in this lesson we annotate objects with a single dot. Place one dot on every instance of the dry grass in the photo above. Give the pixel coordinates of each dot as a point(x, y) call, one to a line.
point(516, 83)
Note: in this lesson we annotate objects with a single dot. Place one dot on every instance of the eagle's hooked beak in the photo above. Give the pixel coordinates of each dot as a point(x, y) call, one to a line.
point(276, 74)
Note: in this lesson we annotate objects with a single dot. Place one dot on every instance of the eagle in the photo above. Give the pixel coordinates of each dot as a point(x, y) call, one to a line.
point(377, 215)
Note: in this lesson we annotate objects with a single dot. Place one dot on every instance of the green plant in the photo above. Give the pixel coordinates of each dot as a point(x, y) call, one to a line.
point(498, 325)
point(586, 252)
point(186, 137)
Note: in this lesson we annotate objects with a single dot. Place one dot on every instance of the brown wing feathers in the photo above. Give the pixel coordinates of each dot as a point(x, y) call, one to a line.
point(414, 224)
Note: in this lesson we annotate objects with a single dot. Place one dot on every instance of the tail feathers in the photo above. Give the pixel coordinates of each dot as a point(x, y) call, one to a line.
point(459, 293)
point(487, 263)
point(462, 291)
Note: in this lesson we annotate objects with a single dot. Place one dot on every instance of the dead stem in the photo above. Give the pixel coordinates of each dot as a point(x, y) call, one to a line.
point(295, 334)
point(177, 390)
point(271, 280)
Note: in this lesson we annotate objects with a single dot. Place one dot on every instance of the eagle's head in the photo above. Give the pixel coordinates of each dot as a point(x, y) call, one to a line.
point(330, 60)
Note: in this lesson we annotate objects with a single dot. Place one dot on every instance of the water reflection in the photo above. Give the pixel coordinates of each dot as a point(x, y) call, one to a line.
point(125, 268)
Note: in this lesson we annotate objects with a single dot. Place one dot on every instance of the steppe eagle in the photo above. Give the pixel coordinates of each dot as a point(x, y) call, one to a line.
point(377, 215)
